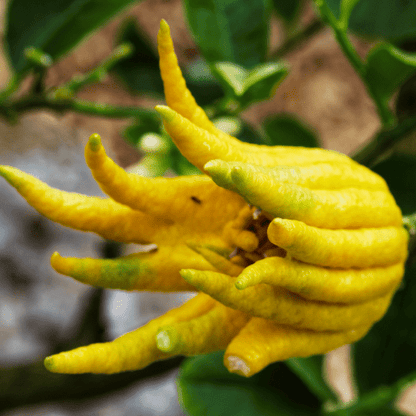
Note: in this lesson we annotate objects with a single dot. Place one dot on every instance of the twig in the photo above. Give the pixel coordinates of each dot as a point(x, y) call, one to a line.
point(33, 384)
point(26, 104)
point(386, 116)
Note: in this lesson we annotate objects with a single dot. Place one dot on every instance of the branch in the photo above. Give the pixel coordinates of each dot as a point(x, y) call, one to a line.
point(32, 384)
point(26, 104)
point(386, 116)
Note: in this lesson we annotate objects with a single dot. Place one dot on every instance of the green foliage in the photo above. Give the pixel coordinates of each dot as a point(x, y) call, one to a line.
point(249, 86)
point(287, 10)
point(346, 7)
point(387, 353)
point(201, 82)
point(394, 20)
point(54, 26)
point(287, 130)
point(388, 68)
point(207, 388)
point(400, 173)
point(140, 71)
point(310, 371)
point(230, 30)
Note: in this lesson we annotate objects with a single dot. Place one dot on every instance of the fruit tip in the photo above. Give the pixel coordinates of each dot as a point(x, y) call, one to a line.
point(237, 365)
point(164, 25)
point(49, 364)
point(55, 258)
point(213, 164)
point(167, 113)
point(94, 142)
point(187, 274)
point(240, 284)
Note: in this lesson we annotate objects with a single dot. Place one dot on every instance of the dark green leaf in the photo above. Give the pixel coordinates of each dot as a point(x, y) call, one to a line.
point(53, 26)
point(400, 174)
point(202, 84)
point(310, 371)
point(232, 77)
point(262, 82)
point(346, 8)
point(237, 127)
point(180, 165)
point(288, 10)
point(207, 388)
point(388, 68)
point(287, 130)
point(387, 353)
point(249, 86)
point(248, 134)
point(230, 30)
point(394, 20)
point(140, 71)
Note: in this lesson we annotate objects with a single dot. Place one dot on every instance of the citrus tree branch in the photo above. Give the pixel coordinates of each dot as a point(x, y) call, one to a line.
point(387, 118)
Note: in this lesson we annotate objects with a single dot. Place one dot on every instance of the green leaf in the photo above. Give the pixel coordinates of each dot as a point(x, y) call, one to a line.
point(249, 86)
point(232, 77)
point(394, 20)
point(207, 388)
point(230, 30)
point(201, 82)
point(387, 353)
point(287, 10)
point(53, 26)
point(180, 165)
point(400, 173)
point(388, 68)
point(140, 71)
point(249, 134)
point(287, 130)
point(346, 9)
point(310, 371)
point(239, 128)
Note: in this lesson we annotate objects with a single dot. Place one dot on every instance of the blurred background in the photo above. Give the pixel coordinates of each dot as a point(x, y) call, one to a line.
point(42, 312)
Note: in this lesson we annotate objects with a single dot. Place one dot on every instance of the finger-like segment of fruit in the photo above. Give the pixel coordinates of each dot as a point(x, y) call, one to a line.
point(362, 248)
point(335, 175)
point(262, 342)
point(169, 198)
point(200, 146)
point(236, 234)
point(156, 271)
point(196, 144)
point(180, 99)
point(270, 302)
point(177, 94)
point(221, 263)
point(207, 333)
point(101, 216)
point(344, 208)
point(131, 351)
point(321, 283)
